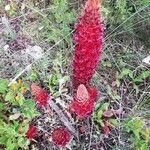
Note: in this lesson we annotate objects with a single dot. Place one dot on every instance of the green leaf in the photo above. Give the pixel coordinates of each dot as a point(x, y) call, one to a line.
point(14, 116)
point(29, 103)
point(56, 94)
point(3, 85)
point(113, 121)
point(125, 71)
point(33, 76)
point(136, 88)
point(10, 145)
point(117, 82)
point(98, 106)
point(99, 115)
point(146, 133)
point(141, 145)
point(3, 139)
point(21, 100)
point(1, 106)
point(9, 97)
point(66, 78)
point(54, 80)
point(101, 106)
point(105, 106)
point(23, 143)
point(142, 76)
point(29, 109)
point(117, 97)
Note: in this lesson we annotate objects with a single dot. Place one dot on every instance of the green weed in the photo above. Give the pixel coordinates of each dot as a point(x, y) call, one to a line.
point(16, 112)
point(140, 134)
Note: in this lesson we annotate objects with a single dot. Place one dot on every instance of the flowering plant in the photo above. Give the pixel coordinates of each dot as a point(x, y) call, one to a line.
point(88, 39)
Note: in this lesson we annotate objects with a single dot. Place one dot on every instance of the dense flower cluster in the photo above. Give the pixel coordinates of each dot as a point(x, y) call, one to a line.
point(61, 136)
point(88, 39)
point(41, 95)
point(83, 103)
point(32, 132)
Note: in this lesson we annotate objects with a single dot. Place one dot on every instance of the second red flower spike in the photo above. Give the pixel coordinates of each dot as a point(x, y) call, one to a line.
point(41, 95)
point(83, 103)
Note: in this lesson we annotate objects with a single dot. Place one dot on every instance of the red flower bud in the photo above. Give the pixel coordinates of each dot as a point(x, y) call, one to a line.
point(88, 39)
point(83, 102)
point(41, 95)
point(61, 136)
point(32, 132)
point(106, 128)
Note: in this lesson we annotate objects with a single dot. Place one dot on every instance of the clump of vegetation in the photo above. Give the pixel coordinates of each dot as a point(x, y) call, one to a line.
point(16, 113)
point(139, 132)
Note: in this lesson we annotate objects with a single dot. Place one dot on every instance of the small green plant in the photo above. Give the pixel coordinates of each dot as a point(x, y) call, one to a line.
point(105, 117)
point(57, 24)
point(135, 77)
point(16, 112)
point(57, 79)
point(98, 113)
point(140, 136)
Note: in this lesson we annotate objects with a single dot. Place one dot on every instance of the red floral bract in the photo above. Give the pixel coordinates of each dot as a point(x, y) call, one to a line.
point(106, 128)
point(61, 136)
point(88, 39)
point(32, 132)
point(84, 107)
point(41, 95)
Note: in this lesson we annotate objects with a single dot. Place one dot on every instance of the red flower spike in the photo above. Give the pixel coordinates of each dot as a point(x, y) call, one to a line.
point(88, 39)
point(61, 136)
point(32, 132)
point(83, 107)
point(41, 95)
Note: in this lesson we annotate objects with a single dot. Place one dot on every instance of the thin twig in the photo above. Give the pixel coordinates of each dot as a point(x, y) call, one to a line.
point(91, 135)
point(62, 117)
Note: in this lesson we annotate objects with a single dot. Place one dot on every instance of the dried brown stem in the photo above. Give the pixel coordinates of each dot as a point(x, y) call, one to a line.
point(62, 117)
